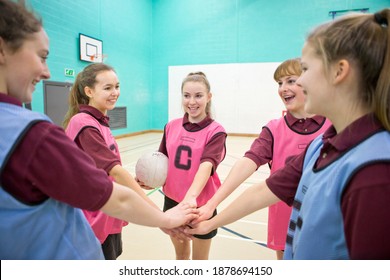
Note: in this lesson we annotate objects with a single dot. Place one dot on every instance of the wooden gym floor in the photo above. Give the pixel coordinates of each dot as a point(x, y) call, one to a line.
point(242, 240)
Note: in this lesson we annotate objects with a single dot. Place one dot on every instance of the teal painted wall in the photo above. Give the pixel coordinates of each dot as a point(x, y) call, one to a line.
point(142, 38)
point(125, 29)
point(232, 31)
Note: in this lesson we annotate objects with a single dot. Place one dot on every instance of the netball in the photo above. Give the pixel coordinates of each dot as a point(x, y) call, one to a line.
point(152, 169)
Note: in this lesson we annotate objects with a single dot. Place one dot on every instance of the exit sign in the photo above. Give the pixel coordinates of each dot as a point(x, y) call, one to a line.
point(69, 72)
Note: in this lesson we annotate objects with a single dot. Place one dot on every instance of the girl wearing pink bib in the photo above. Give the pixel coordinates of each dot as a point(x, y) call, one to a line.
point(195, 145)
point(96, 91)
point(286, 142)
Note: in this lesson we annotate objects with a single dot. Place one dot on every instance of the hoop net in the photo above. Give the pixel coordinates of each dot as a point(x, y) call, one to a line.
point(95, 57)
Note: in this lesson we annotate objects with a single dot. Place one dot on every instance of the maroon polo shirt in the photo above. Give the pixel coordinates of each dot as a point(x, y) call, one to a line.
point(92, 142)
point(261, 150)
point(214, 148)
point(46, 163)
point(365, 203)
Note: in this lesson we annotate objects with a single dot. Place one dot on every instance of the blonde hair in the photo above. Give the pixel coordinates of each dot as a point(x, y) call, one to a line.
point(199, 77)
point(363, 39)
point(290, 67)
point(77, 96)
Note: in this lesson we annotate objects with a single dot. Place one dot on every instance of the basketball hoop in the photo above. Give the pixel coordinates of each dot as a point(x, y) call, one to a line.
point(97, 57)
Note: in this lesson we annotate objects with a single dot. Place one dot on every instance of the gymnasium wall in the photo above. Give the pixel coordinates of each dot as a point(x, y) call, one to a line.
point(143, 38)
point(233, 31)
point(126, 31)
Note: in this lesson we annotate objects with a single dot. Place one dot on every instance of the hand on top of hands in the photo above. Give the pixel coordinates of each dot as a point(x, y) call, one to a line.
point(205, 213)
point(181, 214)
point(203, 227)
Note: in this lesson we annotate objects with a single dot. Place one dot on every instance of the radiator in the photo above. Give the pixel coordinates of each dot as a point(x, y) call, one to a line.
point(117, 117)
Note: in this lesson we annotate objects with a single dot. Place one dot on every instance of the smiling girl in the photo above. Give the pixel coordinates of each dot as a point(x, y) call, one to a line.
point(45, 179)
point(96, 91)
point(279, 139)
point(195, 146)
point(339, 187)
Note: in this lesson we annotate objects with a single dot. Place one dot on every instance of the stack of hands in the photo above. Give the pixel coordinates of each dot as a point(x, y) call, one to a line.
point(196, 218)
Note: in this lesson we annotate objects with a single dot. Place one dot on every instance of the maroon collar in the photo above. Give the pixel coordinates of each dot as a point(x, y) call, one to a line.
point(291, 120)
point(353, 134)
point(9, 99)
point(196, 126)
point(103, 119)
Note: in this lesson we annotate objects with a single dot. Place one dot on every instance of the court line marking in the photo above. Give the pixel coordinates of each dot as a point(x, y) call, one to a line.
point(241, 237)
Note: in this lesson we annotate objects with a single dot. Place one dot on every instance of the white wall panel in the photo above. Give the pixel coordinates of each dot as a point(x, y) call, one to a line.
point(245, 95)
